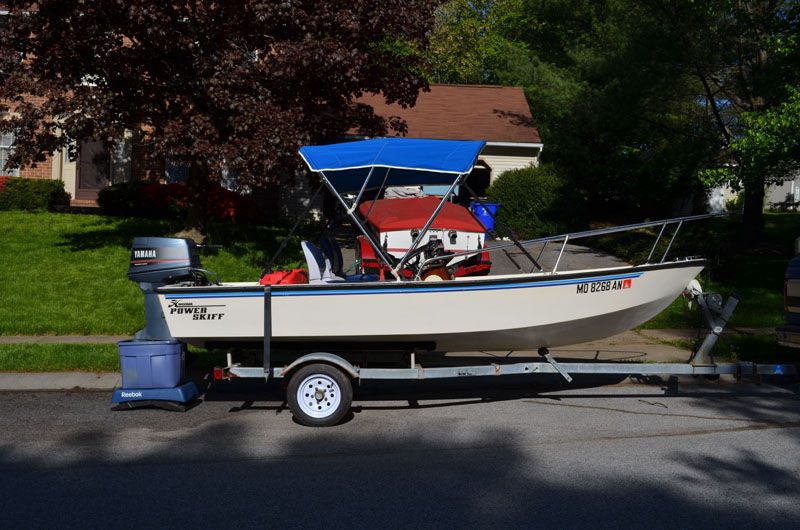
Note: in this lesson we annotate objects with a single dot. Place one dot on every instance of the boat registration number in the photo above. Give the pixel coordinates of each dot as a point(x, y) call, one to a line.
point(603, 286)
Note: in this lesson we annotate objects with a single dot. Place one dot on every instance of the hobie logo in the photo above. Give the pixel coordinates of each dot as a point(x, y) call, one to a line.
point(131, 394)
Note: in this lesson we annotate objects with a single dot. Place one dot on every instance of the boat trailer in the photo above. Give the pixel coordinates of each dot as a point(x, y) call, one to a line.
point(319, 390)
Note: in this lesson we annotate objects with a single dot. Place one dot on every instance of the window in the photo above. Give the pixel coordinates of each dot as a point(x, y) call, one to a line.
point(6, 148)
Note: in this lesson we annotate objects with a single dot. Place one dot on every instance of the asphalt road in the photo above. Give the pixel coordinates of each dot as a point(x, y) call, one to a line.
point(701, 455)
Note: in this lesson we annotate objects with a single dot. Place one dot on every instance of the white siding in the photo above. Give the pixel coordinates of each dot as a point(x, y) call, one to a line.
point(788, 190)
point(501, 164)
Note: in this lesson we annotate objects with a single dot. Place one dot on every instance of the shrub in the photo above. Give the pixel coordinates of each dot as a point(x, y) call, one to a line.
point(143, 199)
point(121, 199)
point(31, 194)
point(535, 201)
point(225, 205)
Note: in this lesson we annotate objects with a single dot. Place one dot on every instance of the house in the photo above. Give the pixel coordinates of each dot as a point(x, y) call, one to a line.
point(499, 115)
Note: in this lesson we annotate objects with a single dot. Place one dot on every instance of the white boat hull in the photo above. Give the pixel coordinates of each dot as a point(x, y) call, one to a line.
point(514, 312)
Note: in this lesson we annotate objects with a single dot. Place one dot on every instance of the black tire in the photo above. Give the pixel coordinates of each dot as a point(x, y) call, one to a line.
point(326, 398)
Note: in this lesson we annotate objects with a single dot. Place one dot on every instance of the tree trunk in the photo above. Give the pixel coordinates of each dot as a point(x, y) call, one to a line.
point(197, 187)
point(753, 213)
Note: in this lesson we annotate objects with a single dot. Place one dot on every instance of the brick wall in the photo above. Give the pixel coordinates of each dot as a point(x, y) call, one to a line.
point(43, 170)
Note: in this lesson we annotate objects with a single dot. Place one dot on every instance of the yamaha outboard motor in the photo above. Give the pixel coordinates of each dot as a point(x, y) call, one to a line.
point(153, 363)
point(158, 261)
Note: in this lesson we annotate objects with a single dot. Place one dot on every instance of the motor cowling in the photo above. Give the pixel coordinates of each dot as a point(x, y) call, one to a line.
point(158, 261)
point(163, 260)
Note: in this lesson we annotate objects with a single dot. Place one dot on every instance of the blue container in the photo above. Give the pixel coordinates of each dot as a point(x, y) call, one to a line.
point(483, 215)
point(151, 363)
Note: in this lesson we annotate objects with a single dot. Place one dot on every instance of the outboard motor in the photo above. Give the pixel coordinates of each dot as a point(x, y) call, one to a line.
point(158, 261)
point(153, 363)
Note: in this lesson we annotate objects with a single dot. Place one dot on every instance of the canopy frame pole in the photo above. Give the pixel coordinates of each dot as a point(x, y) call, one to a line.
point(418, 239)
point(361, 192)
point(375, 200)
point(288, 238)
point(375, 246)
point(505, 228)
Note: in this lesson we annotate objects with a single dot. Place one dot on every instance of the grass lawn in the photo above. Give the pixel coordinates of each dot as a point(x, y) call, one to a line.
point(66, 273)
point(756, 275)
point(85, 358)
point(59, 357)
point(754, 348)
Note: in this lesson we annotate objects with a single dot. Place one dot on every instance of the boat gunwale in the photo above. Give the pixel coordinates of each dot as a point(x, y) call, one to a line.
point(463, 283)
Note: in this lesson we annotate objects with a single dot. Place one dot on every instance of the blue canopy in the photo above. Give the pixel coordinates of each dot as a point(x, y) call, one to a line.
point(409, 161)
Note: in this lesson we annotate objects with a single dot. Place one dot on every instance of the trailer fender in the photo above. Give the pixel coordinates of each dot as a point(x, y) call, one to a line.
point(321, 357)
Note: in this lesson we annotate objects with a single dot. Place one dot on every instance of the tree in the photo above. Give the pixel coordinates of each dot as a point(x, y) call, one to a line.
point(769, 148)
point(618, 116)
point(222, 85)
point(469, 38)
point(636, 100)
point(745, 57)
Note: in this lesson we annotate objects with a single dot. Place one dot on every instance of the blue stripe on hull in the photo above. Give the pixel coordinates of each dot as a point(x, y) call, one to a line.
point(405, 290)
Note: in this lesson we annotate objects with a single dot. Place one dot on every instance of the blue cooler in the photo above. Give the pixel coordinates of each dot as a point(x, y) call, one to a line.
point(151, 363)
point(485, 217)
point(152, 371)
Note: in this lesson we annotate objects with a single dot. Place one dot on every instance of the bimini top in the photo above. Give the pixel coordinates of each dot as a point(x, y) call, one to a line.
point(409, 161)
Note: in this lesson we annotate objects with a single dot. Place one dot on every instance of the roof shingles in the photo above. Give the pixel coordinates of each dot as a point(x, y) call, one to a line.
point(464, 112)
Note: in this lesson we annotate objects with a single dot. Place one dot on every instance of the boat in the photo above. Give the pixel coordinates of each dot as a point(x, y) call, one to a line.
point(525, 311)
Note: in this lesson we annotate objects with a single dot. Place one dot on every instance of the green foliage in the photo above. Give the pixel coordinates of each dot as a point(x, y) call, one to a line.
point(121, 199)
point(469, 38)
point(770, 145)
point(65, 274)
point(31, 194)
point(735, 204)
point(534, 201)
point(634, 100)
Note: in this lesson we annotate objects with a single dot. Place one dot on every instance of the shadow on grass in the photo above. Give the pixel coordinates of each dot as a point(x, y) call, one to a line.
point(255, 244)
point(115, 231)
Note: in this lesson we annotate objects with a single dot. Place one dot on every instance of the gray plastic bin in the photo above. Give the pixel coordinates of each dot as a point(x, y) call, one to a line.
point(151, 363)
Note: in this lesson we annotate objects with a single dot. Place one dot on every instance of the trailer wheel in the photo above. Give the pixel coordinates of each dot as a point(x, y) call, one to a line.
point(319, 395)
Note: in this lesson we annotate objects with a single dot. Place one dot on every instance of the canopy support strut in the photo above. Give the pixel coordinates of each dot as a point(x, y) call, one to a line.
point(427, 226)
point(375, 246)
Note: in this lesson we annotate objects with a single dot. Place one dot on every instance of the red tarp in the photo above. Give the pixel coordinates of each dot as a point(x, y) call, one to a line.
point(406, 214)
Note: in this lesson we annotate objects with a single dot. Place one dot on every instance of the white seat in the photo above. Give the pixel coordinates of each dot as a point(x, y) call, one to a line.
point(333, 253)
point(319, 267)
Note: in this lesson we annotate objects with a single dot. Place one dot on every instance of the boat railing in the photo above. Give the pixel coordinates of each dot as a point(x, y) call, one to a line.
point(572, 236)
